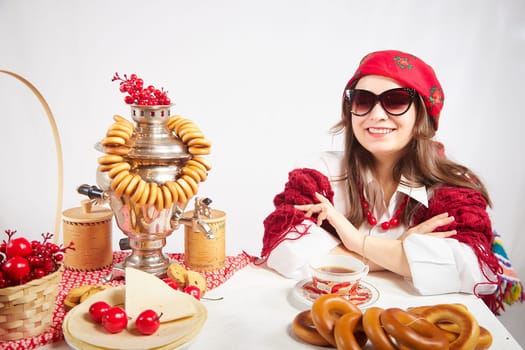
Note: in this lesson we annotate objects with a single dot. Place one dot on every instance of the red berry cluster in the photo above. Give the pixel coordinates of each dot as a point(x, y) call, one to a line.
point(137, 94)
point(22, 261)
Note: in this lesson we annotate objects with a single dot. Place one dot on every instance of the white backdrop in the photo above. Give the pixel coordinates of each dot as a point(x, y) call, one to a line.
point(263, 79)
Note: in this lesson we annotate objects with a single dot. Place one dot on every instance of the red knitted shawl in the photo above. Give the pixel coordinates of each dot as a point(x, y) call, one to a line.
point(300, 189)
point(473, 227)
point(468, 207)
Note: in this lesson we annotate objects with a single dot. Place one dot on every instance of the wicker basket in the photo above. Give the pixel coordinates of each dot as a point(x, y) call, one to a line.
point(27, 310)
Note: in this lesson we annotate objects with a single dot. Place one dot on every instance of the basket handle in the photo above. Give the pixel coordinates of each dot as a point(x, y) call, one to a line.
point(58, 148)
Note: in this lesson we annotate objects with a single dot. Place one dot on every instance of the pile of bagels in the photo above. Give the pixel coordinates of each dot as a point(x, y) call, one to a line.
point(334, 321)
point(116, 145)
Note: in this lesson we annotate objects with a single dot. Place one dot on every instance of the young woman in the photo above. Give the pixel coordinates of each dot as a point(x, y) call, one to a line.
point(391, 198)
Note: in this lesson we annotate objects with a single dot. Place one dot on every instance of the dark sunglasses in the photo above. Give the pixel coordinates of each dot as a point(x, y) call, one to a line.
point(394, 101)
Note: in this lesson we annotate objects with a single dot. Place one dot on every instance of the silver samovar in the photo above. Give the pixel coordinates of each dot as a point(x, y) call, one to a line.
point(157, 155)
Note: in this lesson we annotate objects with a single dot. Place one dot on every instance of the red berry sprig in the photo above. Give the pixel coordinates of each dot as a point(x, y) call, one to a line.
point(137, 94)
point(22, 261)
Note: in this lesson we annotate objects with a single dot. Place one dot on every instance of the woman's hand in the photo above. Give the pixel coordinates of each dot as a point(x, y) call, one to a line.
point(427, 227)
point(348, 234)
point(324, 210)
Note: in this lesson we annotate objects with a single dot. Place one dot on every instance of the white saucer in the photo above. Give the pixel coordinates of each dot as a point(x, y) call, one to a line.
point(366, 294)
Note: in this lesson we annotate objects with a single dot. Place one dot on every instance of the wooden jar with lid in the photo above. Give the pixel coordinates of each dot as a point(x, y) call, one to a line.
point(203, 253)
point(89, 228)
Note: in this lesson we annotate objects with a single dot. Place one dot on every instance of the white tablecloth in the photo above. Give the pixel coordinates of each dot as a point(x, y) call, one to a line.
point(258, 307)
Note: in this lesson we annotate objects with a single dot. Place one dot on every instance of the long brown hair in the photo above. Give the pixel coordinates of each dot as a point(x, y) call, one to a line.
point(421, 164)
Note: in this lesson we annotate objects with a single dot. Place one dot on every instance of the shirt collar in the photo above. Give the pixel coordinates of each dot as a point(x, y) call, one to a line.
point(418, 193)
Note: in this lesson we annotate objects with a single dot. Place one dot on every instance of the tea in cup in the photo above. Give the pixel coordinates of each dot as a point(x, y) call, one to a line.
point(337, 274)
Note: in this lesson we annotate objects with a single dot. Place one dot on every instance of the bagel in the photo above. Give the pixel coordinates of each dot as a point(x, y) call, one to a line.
point(118, 133)
point(200, 151)
point(110, 159)
point(348, 332)
point(118, 179)
point(119, 167)
point(191, 172)
point(200, 171)
point(125, 128)
point(153, 189)
point(119, 119)
point(168, 198)
point(303, 327)
point(117, 150)
point(326, 310)
point(191, 134)
point(139, 190)
point(374, 329)
point(159, 203)
point(204, 162)
point(469, 328)
point(172, 121)
point(193, 162)
point(173, 190)
point(412, 331)
point(145, 195)
point(191, 181)
point(121, 186)
point(182, 198)
point(132, 185)
point(199, 142)
point(113, 141)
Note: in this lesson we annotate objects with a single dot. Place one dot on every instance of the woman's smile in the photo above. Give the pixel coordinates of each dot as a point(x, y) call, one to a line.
point(380, 131)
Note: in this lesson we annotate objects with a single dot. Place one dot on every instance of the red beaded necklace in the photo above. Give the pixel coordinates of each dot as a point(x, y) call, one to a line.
point(386, 225)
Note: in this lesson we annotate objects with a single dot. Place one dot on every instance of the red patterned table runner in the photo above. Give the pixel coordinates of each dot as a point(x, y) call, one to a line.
point(72, 279)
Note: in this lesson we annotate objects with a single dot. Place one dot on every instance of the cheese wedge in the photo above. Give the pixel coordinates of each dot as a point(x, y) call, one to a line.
point(147, 291)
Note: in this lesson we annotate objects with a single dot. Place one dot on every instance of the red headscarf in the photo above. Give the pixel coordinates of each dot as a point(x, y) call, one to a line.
point(409, 71)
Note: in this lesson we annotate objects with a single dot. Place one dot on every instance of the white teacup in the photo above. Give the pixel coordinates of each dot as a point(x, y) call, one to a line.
point(337, 274)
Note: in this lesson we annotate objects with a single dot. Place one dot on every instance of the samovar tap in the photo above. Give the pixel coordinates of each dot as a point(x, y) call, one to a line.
point(94, 193)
